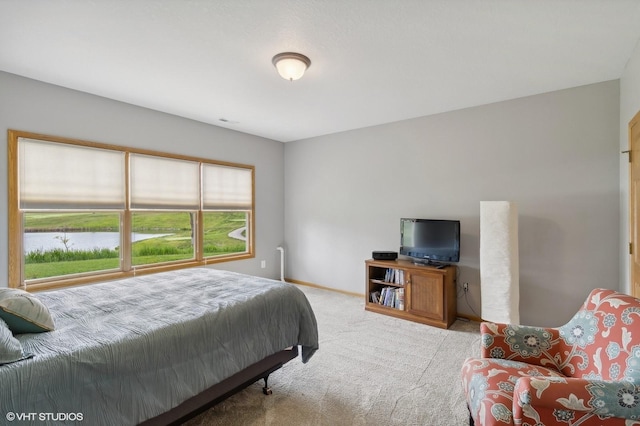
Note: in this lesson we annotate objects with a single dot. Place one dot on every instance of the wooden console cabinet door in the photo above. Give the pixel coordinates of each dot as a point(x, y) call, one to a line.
point(427, 295)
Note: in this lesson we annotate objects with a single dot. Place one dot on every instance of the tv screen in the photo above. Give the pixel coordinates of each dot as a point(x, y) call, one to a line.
point(430, 239)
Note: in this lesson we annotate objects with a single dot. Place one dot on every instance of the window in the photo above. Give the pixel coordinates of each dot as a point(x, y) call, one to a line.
point(55, 245)
point(81, 212)
point(159, 237)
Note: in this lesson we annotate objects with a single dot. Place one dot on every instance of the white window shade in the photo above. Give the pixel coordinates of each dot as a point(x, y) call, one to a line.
point(65, 176)
point(159, 183)
point(226, 188)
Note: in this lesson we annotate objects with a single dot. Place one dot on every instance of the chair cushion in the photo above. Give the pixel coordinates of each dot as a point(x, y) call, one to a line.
point(575, 401)
point(489, 383)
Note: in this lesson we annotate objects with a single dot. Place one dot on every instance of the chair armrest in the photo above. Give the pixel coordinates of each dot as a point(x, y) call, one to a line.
point(533, 345)
point(565, 399)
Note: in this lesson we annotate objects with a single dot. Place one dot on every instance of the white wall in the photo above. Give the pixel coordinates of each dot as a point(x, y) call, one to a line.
point(34, 106)
point(555, 154)
point(629, 107)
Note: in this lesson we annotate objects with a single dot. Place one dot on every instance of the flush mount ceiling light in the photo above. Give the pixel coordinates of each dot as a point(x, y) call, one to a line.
point(291, 66)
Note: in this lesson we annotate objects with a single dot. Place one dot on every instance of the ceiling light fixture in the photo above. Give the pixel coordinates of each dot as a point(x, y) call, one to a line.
point(291, 66)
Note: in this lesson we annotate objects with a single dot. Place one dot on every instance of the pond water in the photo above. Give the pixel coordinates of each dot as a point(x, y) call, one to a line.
point(78, 240)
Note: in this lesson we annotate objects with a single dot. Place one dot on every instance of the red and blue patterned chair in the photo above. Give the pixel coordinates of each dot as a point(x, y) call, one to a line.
point(584, 373)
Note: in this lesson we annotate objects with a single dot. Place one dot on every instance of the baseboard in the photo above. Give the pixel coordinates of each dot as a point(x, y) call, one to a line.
point(470, 317)
point(304, 283)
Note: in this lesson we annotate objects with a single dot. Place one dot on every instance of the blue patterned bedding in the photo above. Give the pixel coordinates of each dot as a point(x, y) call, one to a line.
point(128, 350)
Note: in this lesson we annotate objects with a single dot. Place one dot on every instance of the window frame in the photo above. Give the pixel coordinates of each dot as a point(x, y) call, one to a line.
point(16, 229)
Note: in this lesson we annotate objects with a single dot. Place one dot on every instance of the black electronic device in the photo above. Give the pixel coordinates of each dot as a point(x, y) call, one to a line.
point(430, 241)
point(385, 255)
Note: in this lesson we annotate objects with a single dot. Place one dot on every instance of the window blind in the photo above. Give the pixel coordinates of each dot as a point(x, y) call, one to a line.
point(64, 176)
point(226, 187)
point(158, 183)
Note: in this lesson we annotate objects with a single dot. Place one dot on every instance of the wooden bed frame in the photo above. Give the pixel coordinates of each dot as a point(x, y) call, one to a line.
point(223, 390)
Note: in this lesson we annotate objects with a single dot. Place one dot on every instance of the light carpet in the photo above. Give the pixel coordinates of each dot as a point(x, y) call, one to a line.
point(371, 369)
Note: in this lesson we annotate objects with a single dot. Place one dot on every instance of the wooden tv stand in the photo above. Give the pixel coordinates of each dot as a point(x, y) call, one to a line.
point(429, 292)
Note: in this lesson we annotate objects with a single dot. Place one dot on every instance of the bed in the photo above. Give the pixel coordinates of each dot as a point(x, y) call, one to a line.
point(155, 349)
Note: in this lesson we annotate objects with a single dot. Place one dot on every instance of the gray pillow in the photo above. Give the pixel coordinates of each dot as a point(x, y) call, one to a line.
point(23, 312)
point(10, 347)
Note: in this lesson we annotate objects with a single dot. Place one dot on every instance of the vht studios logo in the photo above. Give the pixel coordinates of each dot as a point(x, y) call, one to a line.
point(45, 417)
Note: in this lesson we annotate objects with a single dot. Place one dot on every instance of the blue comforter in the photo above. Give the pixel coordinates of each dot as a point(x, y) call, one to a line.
point(128, 350)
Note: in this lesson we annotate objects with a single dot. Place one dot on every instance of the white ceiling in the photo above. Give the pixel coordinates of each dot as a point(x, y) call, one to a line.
point(373, 61)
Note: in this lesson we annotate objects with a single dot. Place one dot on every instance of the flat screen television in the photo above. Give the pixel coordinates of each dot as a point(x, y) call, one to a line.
point(430, 241)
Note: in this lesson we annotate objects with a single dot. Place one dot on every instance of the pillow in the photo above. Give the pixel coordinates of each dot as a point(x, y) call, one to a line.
point(10, 347)
point(23, 313)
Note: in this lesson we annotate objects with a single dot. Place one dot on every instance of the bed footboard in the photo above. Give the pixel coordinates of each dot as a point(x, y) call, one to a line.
point(223, 390)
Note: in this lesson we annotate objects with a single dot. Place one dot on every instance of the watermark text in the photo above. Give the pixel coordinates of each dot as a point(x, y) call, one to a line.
point(44, 417)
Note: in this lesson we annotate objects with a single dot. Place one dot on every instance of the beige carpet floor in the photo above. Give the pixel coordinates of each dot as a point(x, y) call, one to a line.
point(370, 370)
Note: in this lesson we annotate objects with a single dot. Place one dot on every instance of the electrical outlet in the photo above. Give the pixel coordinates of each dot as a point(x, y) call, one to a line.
point(263, 264)
point(465, 287)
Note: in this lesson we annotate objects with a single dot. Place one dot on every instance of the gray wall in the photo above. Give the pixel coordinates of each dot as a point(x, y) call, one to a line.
point(33, 106)
point(555, 154)
point(629, 107)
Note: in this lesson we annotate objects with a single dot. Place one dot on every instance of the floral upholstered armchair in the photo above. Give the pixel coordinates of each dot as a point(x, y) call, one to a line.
point(584, 373)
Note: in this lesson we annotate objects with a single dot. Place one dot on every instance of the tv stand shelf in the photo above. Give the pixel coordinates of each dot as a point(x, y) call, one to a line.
point(429, 291)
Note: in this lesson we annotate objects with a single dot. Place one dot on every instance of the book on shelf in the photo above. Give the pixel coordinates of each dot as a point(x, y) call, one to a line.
point(389, 297)
point(400, 298)
point(392, 297)
point(383, 295)
point(395, 276)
